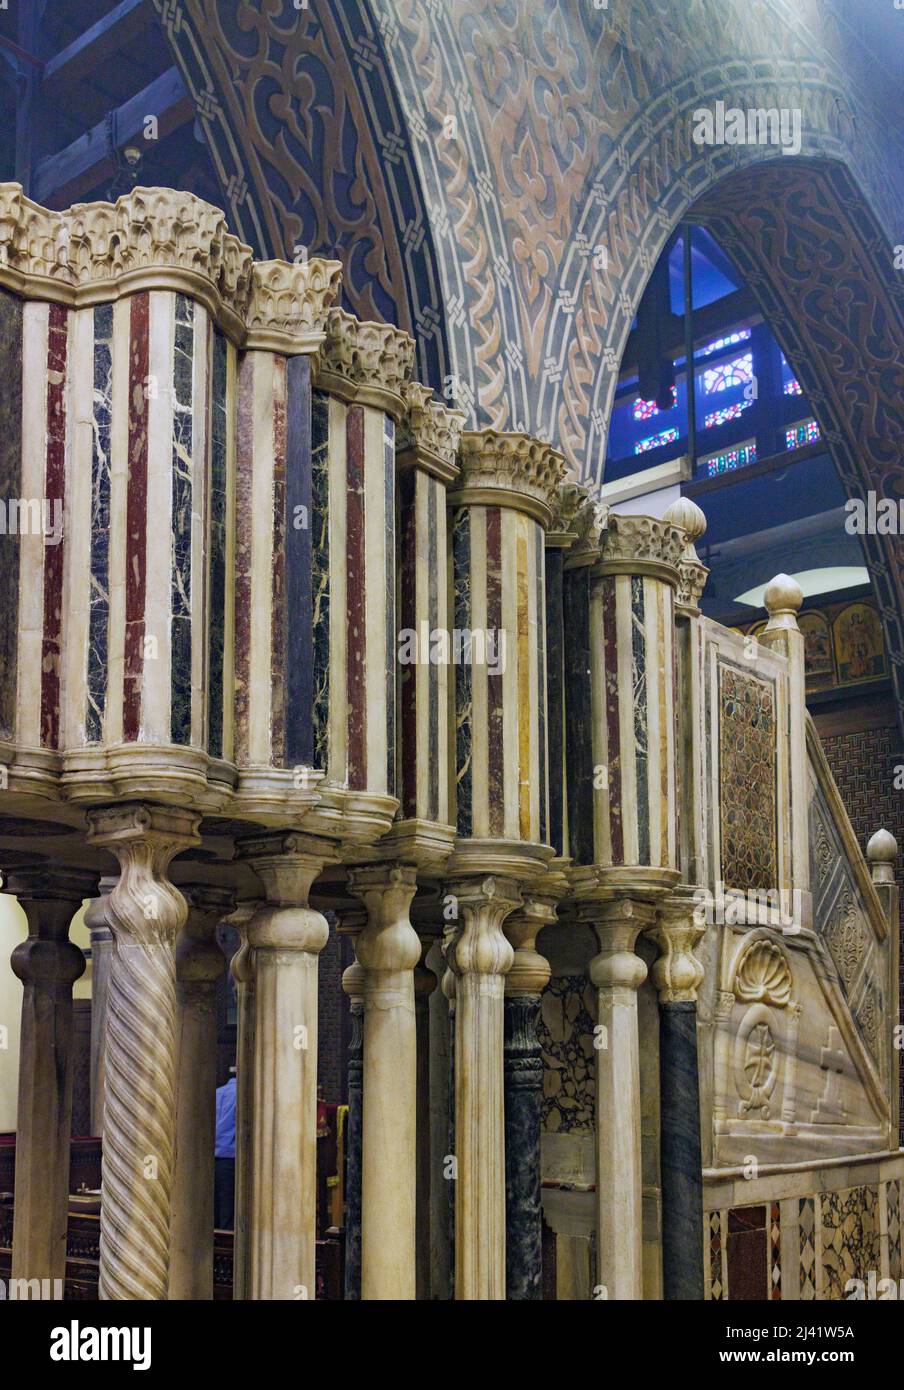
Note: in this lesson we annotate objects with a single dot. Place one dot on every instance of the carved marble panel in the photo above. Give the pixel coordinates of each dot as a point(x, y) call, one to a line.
point(747, 754)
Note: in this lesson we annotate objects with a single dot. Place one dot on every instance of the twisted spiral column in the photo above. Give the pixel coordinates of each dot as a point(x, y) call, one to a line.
point(146, 912)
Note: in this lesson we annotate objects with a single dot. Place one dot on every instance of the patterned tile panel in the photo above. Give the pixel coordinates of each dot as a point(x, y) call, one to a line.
point(893, 1205)
point(807, 1229)
point(747, 748)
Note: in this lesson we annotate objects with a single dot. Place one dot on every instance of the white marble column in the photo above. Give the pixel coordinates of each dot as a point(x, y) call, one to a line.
point(286, 935)
point(480, 957)
point(617, 974)
point(388, 949)
point(146, 912)
point(200, 964)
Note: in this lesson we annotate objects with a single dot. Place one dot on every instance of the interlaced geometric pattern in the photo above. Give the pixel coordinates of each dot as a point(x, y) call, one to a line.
point(807, 1227)
point(747, 756)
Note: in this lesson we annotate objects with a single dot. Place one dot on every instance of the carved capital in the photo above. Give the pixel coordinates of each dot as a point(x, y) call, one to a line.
point(508, 470)
point(530, 971)
point(578, 521)
point(617, 926)
point(369, 363)
point(676, 973)
point(199, 960)
point(388, 941)
point(641, 545)
point(430, 434)
point(145, 907)
point(476, 944)
point(288, 304)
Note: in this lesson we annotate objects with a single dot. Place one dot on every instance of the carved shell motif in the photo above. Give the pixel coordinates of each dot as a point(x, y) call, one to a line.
point(764, 975)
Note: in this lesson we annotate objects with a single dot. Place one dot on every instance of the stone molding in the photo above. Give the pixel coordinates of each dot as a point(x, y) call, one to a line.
point(162, 239)
point(501, 469)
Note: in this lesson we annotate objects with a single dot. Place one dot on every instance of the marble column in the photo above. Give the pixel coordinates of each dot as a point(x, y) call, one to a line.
point(450, 1166)
point(146, 913)
point(242, 967)
point(424, 985)
point(677, 975)
point(101, 960)
point(480, 957)
point(286, 935)
point(48, 964)
point(353, 985)
point(388, 948)
point(200, 964)
point(617, 972)
point(523, 1073)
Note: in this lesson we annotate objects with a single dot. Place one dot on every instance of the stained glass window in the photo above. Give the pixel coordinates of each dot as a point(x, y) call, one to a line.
point(807, 432)
point(792, 387)
point(741, 336)
point(728, 412)
point(655, 441)
point(729, 459)
point(645, 410)
point(737, 372)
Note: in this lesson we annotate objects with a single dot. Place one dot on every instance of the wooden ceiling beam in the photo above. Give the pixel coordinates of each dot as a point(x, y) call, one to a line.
point(74, 171)
point(96, 46)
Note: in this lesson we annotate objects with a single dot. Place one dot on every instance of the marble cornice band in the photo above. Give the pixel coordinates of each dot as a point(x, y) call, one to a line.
point(163, 239)
point(508, 470)
point(365, 363)
point(429, 434)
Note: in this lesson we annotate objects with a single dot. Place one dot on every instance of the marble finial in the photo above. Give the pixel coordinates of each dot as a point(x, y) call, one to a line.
point(783, 596)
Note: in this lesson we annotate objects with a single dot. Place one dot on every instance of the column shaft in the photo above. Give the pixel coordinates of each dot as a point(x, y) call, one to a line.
point(680, 1156)
point(48, 964)
point(199, 965)
point(388, 949)
point(523, 1097)
point(243, 974)
point(353, 984)
point(101, 961)
point(146, 912)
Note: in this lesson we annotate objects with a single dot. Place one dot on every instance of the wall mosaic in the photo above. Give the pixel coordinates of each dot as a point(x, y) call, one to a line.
point(845, 646)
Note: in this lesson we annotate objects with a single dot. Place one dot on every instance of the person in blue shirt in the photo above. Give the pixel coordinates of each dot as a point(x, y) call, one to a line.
point(224, 1157)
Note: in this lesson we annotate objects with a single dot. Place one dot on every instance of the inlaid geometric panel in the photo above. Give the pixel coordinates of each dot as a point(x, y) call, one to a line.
point(775, 1251)
point(893, 1205)
point(747, 747)
point(850, 1237)
point(714, 1232)
point(807, 1229)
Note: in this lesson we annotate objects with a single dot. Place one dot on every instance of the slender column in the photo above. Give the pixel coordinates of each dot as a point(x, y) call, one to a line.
point(200, 964)
point(48, 964)
point(617, 974)
point(450, 1165)
point(523, 1070)
point(388, 948)
point(101, 960)
point(286, 935)
point(480, 957)
point(677, 976)
point(353, 984)
point(243, 973)
point(145, 913)
point(424, 985)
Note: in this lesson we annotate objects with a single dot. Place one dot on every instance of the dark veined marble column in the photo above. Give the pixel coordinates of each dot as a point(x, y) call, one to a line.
point(523, 1083)
point(353, 984)
point(677, 975)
